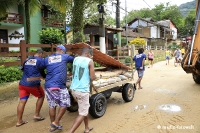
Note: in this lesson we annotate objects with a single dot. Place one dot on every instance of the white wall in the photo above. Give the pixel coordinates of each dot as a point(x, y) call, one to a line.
point(174, 33)
point(15, 40)
point(154, 32)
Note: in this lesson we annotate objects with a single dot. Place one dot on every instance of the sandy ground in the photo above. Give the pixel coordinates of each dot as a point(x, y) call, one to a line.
point(168, 103)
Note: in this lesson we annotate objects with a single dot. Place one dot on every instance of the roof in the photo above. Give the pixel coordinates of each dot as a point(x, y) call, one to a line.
point(166, 23)
point(99, 57)
point(106, 27)
point(146, 20)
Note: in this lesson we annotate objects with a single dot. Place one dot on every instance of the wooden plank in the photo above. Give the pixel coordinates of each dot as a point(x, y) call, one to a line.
point(6, 54)
point(9, 45)
point(11, 63)
point(40, 45)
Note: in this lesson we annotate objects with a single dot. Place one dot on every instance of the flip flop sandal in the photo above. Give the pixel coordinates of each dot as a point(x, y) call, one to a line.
point(24, 122)
point(53, 128)
point(89, 130)
point(59, 127)
point(39, 119)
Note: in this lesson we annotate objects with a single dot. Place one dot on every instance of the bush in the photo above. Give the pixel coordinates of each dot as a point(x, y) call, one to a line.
point(96, 64)
point(9, 74)
point(128, 60)
point(50, 36)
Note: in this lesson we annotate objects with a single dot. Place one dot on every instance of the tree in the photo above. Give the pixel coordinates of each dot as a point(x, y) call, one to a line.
point(138, 41)
point(78, 18)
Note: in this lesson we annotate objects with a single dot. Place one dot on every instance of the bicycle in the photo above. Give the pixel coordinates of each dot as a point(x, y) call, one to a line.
point(177, 62)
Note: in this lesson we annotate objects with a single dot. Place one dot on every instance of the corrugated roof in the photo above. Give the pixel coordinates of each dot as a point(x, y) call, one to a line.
point(99, 57)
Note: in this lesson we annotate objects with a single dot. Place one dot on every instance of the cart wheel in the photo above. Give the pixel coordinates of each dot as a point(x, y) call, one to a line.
point(128, 92)
point(74, 104)
point(196, 78)
point(98, 105)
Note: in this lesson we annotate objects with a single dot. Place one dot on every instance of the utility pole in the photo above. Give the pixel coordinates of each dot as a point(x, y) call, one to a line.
point(101, 28)
point(126, 22)
point(117, 15)
point(118, 22)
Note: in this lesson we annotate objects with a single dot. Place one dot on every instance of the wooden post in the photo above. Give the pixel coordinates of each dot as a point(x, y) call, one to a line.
point(107, 44)
point(23, 51)
point(51, 48)
point(91, 40)
point(117, 52)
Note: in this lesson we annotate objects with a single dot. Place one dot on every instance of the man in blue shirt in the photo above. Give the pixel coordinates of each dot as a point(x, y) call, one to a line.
point(55, 85)
point(139, 65)
point(33, 70)
point(83, 75)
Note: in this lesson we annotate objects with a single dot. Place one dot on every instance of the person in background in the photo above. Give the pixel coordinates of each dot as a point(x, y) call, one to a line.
point(183, 52)
point(167, 55)
point(33, 71)
point(55, 85)
point(177, 54)
point(139, 65)
point(83, 75)
point(150, 58)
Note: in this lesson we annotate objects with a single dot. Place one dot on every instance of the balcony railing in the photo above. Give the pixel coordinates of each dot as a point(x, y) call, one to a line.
point(52, 23)
point(14, 18)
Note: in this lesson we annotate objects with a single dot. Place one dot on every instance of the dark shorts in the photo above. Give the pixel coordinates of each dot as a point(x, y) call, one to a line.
point(25, 91)
point(59, 97)
point(150, 59)
point(167, 57)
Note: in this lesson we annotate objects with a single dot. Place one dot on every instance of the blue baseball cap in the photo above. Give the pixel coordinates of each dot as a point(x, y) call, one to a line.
point(61, 47)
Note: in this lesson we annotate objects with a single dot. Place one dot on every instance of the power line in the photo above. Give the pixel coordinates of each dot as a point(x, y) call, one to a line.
point(147, 4)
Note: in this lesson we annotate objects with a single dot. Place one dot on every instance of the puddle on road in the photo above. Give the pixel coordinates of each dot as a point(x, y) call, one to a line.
point(165, 91)
point(8, 121)
point(170, 107)
point(139, 107)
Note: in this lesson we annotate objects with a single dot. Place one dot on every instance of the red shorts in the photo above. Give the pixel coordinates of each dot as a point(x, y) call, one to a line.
point(25, 91)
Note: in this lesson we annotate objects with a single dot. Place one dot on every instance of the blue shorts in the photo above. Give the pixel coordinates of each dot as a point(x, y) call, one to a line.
point(167, 57)
point(140, 73)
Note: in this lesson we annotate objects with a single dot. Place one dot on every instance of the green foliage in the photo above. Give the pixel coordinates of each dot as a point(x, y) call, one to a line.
point(8, 59)
point(9, 74)
point(128, 60)
point(173, 46)
point(51, 36)
point(96, 64)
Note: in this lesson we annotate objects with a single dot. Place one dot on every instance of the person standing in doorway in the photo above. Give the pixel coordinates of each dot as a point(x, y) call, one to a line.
point(55, 85)
point(83, 75)
point(167, 55)
point(33, 71)
point(140, 65)
point(150, 58)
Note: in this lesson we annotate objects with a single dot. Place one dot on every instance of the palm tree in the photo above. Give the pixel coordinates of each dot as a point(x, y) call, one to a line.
point(35, 6)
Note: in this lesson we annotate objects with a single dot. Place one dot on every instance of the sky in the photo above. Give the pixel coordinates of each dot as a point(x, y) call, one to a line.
point(138, 4)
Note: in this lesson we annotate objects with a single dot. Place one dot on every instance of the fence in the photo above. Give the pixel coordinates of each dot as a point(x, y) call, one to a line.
point(118, 53)
point(22, 55)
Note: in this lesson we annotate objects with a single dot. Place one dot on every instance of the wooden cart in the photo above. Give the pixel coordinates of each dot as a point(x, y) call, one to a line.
point(99, 96)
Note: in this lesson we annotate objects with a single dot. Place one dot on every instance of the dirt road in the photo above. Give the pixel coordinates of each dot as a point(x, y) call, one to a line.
point(168, 103)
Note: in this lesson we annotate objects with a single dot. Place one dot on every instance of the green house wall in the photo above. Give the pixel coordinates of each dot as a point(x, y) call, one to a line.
point(36, 25)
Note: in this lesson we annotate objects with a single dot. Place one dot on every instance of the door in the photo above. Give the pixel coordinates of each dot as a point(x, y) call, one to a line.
point(3, 40)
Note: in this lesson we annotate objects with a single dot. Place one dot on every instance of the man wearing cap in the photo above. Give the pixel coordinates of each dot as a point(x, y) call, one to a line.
point(55, 85)
point(33, 71)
